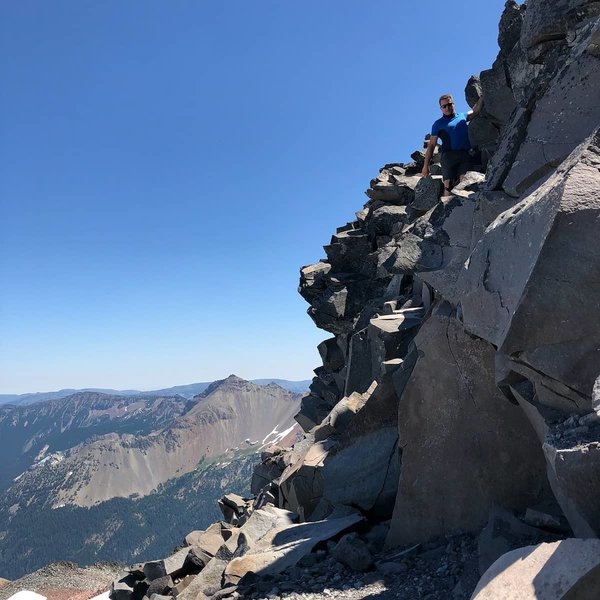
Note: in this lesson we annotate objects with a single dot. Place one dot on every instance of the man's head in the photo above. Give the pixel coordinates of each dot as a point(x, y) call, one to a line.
point(447, 104)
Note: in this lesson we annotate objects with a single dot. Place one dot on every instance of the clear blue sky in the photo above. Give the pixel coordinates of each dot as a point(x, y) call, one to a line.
point(167, 167)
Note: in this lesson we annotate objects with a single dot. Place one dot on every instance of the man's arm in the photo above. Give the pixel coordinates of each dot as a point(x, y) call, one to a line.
point(476, 109)
point(428, 154)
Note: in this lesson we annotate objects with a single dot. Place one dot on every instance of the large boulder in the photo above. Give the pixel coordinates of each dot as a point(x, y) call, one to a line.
point(552, 21)
point(428, 193)
point(532, 286)
point(354, 460)
point(436, 245)
point(504, 532)
point(509, 28)
point(353, 552)
point(282, 547)
point(497, 94)
point(464, 447)
point(565, 570)
point(313, 409)
point(347, 250)
point(336, 299)
point(383, 219)
point(398, 190)
point(301, 484)
point(573, 456)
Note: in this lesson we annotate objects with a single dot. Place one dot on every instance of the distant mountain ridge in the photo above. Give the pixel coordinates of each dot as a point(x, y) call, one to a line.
point(90, 447)
point(187, 391)
point(98, 471)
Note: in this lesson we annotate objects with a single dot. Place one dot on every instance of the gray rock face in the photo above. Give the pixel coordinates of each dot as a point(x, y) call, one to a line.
point(208, 541)
point(398, 190)
point(510, 142)
point(455, 426)
point(384, 218)
point(566, 115)
point(364, 472)
point(487, 207)
point(348, 250)
point(483, 134)
point(206, 583)
point(530, 269)
point(454, 237)
point(354, 460)
point(510, 25)
point(436, 245)
point(312, 411)
point(545, 22)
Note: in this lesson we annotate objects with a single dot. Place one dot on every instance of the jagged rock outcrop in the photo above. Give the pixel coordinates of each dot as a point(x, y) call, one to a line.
point(517, 272)
point(461, 383)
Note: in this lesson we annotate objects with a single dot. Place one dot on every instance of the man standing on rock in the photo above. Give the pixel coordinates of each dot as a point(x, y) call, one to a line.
point(453, 130)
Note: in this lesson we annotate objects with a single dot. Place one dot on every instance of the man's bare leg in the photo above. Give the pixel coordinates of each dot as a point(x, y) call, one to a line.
point(447, 188)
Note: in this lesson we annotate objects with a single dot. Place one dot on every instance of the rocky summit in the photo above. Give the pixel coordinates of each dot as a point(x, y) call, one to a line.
point(451, 441)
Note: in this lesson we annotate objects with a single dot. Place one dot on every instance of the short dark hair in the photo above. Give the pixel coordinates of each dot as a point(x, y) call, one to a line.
point(446, 97)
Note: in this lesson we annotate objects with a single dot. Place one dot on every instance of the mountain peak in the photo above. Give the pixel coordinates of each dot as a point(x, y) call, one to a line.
point(230, 382)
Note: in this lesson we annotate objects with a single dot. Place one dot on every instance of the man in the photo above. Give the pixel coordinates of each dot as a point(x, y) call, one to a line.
point(453, 130)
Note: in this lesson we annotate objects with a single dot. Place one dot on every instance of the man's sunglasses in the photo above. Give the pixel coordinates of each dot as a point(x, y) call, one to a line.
point(447, 105)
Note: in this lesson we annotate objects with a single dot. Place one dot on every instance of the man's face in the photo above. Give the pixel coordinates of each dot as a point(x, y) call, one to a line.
point(447, 106)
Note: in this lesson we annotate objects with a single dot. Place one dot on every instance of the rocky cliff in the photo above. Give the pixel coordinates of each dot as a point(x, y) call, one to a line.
point(459, 392)
point(466, 329)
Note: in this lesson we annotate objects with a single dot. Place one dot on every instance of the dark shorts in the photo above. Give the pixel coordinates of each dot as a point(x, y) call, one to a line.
point(456, 163)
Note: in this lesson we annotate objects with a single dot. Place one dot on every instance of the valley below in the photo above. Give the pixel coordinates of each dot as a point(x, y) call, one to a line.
point(95, 476)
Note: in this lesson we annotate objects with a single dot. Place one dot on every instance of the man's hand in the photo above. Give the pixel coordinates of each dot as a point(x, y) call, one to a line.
point(476, 109)
point(428, 154)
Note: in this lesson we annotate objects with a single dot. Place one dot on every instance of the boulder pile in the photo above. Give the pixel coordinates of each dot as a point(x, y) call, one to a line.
point(459, 392)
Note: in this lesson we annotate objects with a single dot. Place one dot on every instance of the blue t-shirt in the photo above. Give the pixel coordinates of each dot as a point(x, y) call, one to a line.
point(453, 131)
